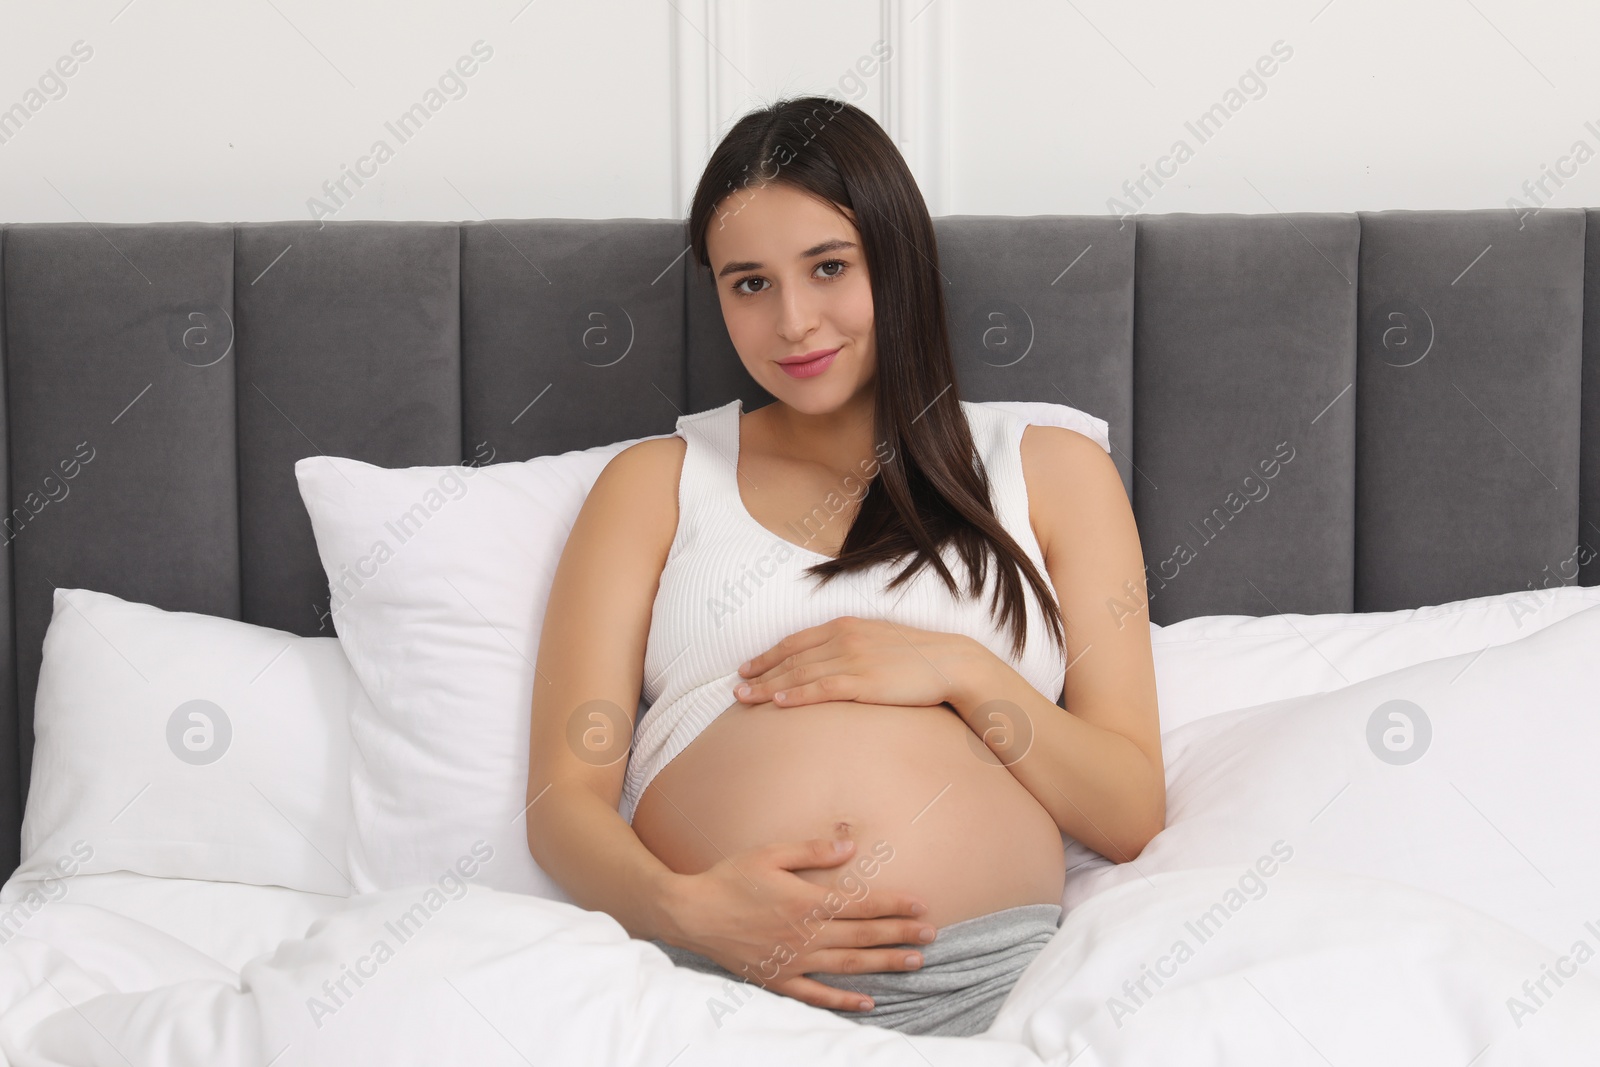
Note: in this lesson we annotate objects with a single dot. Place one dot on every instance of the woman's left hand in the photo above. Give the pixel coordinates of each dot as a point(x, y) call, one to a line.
point(868, 660)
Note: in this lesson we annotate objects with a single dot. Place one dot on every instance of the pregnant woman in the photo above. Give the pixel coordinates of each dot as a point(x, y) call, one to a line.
point(855, 614)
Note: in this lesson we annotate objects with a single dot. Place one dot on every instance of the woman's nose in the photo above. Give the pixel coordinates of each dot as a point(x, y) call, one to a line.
point(797, 313)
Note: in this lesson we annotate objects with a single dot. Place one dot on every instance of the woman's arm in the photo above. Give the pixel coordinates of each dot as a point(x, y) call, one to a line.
point(586, 690)
point(1096, 767)
point(1099, 786)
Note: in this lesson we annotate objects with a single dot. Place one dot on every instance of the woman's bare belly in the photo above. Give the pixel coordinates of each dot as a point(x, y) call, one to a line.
point(932, 811)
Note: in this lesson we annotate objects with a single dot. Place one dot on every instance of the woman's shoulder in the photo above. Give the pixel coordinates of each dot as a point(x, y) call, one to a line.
point(1068, 476)
point(632, 507)
point(645, 464)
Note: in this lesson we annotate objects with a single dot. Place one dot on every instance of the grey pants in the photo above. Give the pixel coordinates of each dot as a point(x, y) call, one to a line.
point(966, 973)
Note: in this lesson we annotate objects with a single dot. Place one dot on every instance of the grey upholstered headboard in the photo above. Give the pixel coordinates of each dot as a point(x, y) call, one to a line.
point(1414, 381)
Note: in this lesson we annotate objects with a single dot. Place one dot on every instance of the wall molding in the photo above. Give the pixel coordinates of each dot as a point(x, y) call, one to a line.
point(709, 52)
point(711, 79)
point(916, 91)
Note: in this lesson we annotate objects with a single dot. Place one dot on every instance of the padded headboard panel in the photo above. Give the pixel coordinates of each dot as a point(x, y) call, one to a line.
point(1415, 382)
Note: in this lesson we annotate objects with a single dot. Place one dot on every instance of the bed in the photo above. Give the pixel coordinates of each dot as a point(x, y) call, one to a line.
point(285, 501)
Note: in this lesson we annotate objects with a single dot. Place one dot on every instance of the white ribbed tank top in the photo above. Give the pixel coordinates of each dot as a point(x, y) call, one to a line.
point(731, 589)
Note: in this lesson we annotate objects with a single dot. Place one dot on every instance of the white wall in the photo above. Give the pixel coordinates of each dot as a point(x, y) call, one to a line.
point(243, 110)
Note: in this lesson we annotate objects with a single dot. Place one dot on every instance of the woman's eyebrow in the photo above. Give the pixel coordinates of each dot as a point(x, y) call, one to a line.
point(834, 244)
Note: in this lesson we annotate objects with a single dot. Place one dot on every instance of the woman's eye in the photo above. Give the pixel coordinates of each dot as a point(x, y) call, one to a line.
point(833, 263)
point(738, 285)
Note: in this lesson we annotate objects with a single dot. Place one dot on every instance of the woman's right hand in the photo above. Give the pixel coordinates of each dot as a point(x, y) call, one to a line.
point(751, 914)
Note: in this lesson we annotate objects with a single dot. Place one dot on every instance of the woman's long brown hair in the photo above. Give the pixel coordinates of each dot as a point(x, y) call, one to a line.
point(938, 492)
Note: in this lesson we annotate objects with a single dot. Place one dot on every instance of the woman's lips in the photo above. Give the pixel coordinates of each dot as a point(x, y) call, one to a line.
point(809, 369)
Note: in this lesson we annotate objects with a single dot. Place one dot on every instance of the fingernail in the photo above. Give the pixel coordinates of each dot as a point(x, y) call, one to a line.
point(778, 695)
point(744, 666)
point(842, 846)
point(919, 909)
point(927, 934)
point(742, 690)
point(864, 1005)
point(913, 960)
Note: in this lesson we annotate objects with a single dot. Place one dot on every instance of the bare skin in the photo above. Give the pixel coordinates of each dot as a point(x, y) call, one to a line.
point(730, 853)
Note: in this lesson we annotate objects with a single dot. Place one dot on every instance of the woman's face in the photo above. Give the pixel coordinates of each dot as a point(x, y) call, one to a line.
point(791, 276)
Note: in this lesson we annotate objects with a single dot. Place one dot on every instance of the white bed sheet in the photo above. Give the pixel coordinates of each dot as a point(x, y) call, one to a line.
point(130, 969)
point(230, 922)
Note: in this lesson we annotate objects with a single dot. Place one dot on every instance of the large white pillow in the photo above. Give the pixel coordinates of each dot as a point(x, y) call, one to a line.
point(439, 578)
point(1472, 776)
point(1216, 663)
point(181, 745)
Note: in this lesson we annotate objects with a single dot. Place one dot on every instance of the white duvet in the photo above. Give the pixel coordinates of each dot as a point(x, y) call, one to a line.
point(1205, 966)
point(1400, 871)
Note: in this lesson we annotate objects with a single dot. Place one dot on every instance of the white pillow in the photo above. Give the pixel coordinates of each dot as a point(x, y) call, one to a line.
point(439, 578)
point(1499, 806)
point(440, 615)
point(181, 745)
point(1215, 663)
